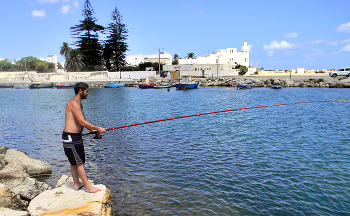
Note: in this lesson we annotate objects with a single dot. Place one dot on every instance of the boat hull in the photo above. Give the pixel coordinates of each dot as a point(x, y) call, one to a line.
point(276, 86)
point(21, 87)
point(161, 86)
point(186, 86)
point(113, 85)
point(39, 86)
point(247, 85)
point(146, 86)
point(5, 86)
point(65, 87)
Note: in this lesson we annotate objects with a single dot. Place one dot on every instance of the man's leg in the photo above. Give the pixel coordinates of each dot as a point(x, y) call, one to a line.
point(77, 183)
point(81, 172)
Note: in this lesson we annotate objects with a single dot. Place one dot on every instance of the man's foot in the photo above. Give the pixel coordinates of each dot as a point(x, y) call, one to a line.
point(92, 189)
point(78, 186)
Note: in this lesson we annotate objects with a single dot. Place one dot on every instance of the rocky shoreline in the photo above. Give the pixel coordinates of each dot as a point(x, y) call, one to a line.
point(298, 81)
point(22, 194)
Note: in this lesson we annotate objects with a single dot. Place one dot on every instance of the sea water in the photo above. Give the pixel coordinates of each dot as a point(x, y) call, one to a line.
point(279, 160)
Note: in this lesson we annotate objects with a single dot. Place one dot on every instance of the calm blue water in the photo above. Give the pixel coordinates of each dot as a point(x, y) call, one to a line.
point(282, 160)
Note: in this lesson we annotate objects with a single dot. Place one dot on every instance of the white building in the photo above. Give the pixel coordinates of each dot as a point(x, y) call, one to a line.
point(222, 63)
point(223, 56)
point(164, 57)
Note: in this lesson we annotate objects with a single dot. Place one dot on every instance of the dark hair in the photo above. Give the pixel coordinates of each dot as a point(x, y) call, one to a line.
point(80, 85)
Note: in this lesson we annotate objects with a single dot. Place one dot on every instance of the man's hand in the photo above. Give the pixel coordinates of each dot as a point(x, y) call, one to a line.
point(101, 130)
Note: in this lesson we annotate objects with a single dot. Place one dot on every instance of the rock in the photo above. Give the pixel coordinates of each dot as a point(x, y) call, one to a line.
point(26, 187)
point(68, 181)
point(3, 149)
point(8, 199)
point(34, 167)
point(11, 212)
point(13, 169)
point(64, 200)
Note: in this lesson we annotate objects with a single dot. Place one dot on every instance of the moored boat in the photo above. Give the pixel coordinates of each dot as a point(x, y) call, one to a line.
point(113, 85)
point(245, 85)
point(7, 86)
point(276, 86)
point(162, 86)
point(187, 83)
point(39, 86)
point(146, 86)
point(21, 87)
point(64, 86)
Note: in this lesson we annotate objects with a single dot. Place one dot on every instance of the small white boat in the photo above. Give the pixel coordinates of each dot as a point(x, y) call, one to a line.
point(21, 87)
point(162, 86)
point(276, 86)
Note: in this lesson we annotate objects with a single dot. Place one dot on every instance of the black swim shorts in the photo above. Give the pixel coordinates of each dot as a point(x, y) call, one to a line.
point(73, 147)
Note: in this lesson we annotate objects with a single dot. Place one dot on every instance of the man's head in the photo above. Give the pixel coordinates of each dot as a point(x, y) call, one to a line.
point(82, 89)
point(80, 86)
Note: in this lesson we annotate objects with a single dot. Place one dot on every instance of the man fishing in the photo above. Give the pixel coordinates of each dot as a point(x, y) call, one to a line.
point(72, 138)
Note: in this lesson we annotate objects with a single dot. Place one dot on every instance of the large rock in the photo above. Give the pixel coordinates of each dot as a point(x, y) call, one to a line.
point(13, 169)
point(11, 212)
point(10, 200)
point(64, 200)
point(26, 187)
point(34, 167)
point(3, 149)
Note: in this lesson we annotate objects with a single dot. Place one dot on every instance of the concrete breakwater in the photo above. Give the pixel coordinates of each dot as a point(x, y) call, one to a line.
point(297, 81)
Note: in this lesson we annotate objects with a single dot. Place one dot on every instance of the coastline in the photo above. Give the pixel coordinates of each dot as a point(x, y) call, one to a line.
point(260, 80)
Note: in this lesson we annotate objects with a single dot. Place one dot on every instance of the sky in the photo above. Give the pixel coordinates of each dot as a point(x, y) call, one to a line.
point(281, 34)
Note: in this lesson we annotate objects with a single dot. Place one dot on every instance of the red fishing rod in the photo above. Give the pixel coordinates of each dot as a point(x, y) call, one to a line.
point(98, 136)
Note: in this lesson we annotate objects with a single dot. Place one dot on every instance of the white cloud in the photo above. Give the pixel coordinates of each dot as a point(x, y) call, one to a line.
point(345, 27)
point(291, 35)
point(345, 41)
point(36, 13)
point(346, 48)
point(44, 1)
point(65, 9)
point(270, 53)
point(318, 52)
point(275, 45)
point(76, 4)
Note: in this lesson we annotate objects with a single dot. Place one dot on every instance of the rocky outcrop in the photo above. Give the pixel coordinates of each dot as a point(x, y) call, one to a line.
point(20, 194)
point(64, 200)
point(34, 167)
point(17, 188)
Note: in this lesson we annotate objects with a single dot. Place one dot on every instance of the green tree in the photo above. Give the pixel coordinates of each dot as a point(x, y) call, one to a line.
point(242, 69)
point(74, 62)
point(64, 50)
point(176, 59)
point(59, 65)
point(190, 55)
point(27, 63)
point(175, 62)
point(41, 67)
point(6, 65)
point(87, 34)
point(115, 45)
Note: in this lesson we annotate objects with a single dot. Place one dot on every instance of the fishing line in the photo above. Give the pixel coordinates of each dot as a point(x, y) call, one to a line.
point(187, 116)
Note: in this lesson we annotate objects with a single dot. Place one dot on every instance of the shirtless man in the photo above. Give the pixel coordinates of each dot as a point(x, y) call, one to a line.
point(72, 139)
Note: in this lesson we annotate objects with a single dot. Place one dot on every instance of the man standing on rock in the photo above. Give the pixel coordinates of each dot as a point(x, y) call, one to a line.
point(72, 138)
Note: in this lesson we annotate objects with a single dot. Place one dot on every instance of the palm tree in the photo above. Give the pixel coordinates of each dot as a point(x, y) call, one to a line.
point(190, 55)
point(65, 49)
point(74, 61)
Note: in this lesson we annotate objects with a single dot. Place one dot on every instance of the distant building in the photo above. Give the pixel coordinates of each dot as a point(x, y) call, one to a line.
point(164, 57)
point(222, 63)
point(223, 56)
